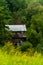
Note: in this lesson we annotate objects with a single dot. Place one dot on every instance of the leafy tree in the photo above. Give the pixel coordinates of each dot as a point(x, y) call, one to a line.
point(4, 19)
point(34, 22)
point(15, 5)
point(17, 8)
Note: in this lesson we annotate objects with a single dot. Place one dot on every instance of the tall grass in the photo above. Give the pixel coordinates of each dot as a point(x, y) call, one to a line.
point(15, 57)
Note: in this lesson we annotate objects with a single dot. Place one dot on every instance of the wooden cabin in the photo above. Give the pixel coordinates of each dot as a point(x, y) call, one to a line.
point(19, 33)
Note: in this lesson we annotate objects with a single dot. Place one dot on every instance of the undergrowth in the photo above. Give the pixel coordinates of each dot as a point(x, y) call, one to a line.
point(11, 56)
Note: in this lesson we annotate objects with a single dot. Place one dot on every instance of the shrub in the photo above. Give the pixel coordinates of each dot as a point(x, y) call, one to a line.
point(33, 37)
point(25, 46)
point(40, 46)
point(8, 48)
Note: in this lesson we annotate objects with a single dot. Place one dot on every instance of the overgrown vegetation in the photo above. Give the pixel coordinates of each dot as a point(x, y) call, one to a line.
point(11, 56)
point(29, 12)
point(25, 11)
point(18, 59)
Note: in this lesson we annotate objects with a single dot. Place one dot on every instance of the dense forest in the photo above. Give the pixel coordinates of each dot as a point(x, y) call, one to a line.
point(29, 12)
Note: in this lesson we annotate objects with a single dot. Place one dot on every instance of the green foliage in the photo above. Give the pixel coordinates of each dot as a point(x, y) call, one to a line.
point(29, 12)
point(25, 46)
point(34, 23)
point(40, 46)
point(19, 4)
point(16, 7)
point(41, 2)
point(33, 37)
point(18, 58)
point(4, 19)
